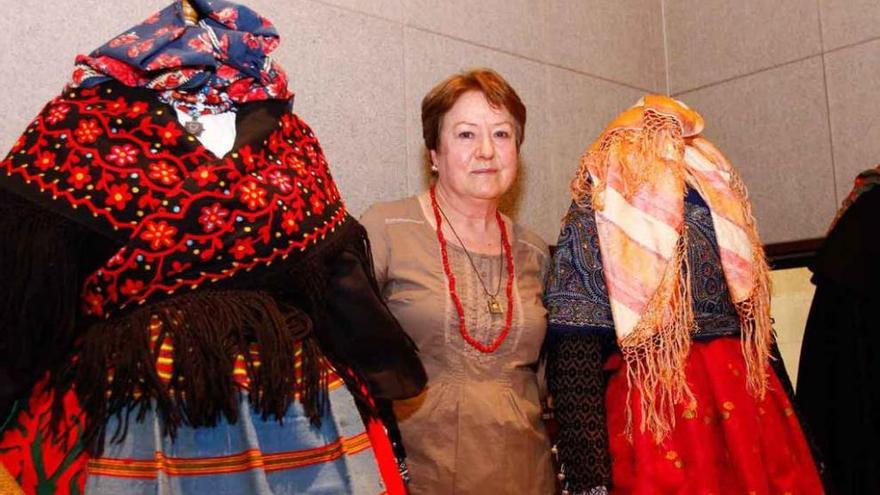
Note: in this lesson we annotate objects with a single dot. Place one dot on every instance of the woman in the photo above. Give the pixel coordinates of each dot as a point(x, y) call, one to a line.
point(205, 311)
point(660, 337)
point(465, 283)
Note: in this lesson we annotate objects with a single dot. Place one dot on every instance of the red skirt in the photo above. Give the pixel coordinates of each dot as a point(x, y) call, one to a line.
point(728, 443)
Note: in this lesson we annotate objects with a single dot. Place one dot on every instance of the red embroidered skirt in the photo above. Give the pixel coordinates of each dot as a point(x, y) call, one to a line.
point(728, 443)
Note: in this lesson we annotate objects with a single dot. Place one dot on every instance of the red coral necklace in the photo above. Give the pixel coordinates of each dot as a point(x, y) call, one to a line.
point(508, 253)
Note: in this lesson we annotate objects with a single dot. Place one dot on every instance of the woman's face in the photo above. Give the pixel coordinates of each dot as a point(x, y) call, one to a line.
point(476, 156)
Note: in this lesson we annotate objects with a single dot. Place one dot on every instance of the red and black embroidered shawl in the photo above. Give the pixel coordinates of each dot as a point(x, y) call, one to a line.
point(254, 248)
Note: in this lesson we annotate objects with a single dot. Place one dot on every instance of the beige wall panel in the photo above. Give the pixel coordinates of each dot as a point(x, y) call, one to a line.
point(715, 40)
point(849, 21)
point(387, 9)
point(429, 59)
point(854, 101)
point(792, 296)
point(512, 26)
point(621, 40)
point(346, 69)
point(579, 108)
point(774, 128)
point(39, 42)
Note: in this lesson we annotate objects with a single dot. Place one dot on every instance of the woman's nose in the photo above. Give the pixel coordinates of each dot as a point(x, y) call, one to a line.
point(487, 148)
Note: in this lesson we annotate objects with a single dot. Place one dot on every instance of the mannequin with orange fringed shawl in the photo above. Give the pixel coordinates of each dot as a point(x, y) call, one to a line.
point(659, 340)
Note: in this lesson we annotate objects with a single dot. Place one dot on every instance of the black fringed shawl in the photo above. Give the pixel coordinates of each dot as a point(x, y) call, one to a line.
point(116, 216)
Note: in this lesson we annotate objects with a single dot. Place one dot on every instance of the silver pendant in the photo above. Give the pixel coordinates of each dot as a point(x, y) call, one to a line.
point(194, 127)
point(494, 306)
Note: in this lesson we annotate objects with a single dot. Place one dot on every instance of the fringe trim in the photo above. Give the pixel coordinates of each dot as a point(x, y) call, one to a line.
point(208, 330)
point(756, 324)
point(38, 318)
point(656, 351)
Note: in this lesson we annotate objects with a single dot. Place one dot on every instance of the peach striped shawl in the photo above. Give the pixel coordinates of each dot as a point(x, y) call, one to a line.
point(635, 175)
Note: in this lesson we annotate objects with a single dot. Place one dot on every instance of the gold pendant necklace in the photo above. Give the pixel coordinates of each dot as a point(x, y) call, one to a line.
point(492, 303)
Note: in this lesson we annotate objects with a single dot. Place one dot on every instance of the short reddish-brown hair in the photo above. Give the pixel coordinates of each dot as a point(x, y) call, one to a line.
point(443, 96)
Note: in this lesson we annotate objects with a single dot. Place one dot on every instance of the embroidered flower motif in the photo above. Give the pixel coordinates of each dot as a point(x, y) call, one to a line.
point(289, 222)
point(153, 19)
point(94, 303)
point(137, 108)
point(242, 248)
point(131, 287)
point(204, 175)
point(164, 173)
point(317, 204)
point(213, 217)
point(123, 155)
point(87, 131)
point(57, 114)
point(118, 106)
point(297, 165)
point(247, 157)
point(45, 160)
point(169, 134)
point(118, 196)
point(253, 195)
point(158, 234)
point(79, 177)
point(281, 181)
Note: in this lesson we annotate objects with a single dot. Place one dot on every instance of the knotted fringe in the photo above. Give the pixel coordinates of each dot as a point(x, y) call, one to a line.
point(657, 349)
point(115, 372)
point(756, 330)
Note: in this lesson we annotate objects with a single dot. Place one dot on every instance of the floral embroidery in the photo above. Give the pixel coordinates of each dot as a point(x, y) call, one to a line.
point(254, 196)
point(159, 235)
point(118, 196)
point(79, 177)
point(88, 131)
point(123, 155)
point(204, 175)
point(164, 173)
point(57, 113)
point(179, 204)
point(45, 160)
point(213, 217)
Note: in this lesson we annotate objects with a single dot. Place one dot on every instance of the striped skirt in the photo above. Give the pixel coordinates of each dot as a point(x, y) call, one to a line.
point(253, 455)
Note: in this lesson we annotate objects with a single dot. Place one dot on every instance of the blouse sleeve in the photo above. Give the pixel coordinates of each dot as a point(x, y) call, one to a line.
point(580, 337)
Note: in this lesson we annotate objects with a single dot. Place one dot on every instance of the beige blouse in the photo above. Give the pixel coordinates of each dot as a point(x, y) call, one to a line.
point(477, 428)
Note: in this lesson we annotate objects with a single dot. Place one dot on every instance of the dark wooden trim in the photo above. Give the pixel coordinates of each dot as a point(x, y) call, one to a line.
point(792, 254)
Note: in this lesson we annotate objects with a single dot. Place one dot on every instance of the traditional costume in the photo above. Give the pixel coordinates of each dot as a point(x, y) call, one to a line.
point(659, 345)
point(177, 320)
point(836, 389)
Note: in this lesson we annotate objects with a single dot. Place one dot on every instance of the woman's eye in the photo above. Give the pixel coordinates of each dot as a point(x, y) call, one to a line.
point(465, 134)
point(502, 134)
